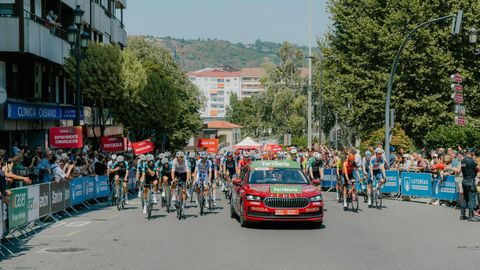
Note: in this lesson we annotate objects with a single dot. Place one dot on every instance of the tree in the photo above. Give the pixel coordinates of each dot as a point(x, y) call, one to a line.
point(360, 49)
point(399, 139)
point(100, 72)
point(453, 136)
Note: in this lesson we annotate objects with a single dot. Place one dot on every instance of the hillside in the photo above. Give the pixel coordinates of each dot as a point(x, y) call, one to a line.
point(201, 53)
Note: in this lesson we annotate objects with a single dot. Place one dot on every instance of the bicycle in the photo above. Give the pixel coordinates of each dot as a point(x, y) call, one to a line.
point(352, 198)
point(149, 201)
point(210, 196)
point(201, 198)
point(120, 197)
point(377, 196)
point(112, 191)
point(167, 199)
point(179, 203)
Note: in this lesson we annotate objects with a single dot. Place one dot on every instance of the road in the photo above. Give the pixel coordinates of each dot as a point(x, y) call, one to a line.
point(404, 235)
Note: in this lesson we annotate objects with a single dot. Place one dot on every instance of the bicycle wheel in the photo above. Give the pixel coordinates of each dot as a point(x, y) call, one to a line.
point(179, 206)
point(378, 199)
point(168, 200)
point(201, 201)
point(118, 199)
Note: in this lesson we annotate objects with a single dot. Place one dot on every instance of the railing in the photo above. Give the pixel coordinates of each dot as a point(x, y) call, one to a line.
point(54, 29)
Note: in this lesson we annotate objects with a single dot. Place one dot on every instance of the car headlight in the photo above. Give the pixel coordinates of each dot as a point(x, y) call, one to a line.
point(253, 198)
point(317, 198)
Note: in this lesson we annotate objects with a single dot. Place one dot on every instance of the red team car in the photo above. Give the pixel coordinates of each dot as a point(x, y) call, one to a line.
point(275, 190)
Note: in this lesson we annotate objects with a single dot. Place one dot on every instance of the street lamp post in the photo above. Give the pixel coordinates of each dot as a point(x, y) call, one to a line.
point(78, 40)
point(456, 25)
point(309, 114)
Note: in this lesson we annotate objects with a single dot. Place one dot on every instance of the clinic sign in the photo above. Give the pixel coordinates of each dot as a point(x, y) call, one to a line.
point(28, 111)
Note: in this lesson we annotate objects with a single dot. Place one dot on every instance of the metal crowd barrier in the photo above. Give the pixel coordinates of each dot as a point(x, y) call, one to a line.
point(407, 184)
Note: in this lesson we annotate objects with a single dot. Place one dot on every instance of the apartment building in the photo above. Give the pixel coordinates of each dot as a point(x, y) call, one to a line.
point(218, 84)
point(32, 52)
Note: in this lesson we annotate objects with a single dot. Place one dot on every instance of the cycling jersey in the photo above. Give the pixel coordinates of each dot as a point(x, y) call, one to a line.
point(315, 165)
point(349, 167)
point(142, 167)
point(376, 163)
point(178, 167)
point(148, 177)
point(230, 166)
point(192, 165)
point(203, 168)
point(123, 168)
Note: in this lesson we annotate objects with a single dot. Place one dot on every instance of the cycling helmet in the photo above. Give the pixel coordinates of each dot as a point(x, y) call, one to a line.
point(180, 154)
point(351, 157)
point(192, 155)
point(120, 159)
point(379, 151)
point(150, 157)
point(142, 157)
point(114, 157)
point(229, 154)
point(293, 151)
point(161, 156)
point(167, 154)
point(164, 160)
point(368, 153)
point(203, 155)
point(317, 156)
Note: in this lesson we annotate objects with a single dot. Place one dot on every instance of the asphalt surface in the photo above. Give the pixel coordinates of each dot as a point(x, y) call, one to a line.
point(403, 235)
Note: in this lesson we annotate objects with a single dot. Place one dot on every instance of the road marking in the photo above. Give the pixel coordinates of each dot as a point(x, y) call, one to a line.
point(58, 224)
point(116, 215)
point(78, 224)
point(72, 233)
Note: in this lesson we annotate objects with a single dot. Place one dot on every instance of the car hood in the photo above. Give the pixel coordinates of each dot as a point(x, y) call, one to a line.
point(268, 190)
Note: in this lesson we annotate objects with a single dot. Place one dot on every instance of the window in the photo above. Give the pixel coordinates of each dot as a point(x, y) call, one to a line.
point(221, 80)
point(8, 8)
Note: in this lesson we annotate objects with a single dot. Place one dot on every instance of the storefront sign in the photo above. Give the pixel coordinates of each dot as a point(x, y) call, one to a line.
point(27, 111)
point(66, 137)
point(142, 147)
point(112, 144)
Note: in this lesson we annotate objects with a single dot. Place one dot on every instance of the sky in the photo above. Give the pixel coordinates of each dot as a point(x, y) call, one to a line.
point(233, 20)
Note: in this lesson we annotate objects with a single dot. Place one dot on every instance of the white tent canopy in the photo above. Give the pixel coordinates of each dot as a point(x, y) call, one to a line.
point(248, 143)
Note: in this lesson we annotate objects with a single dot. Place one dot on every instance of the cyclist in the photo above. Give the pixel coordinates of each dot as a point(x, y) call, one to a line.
point(315, 167)
point(142, 162)
point(180, 173)
point(120, 171)
point(366, 174)
point(213, 177)
point(349, 167)
point(377, 171)
point(337, 164)
point(164, 173)
point(111, 176)
point(230, 168)
point(203, 171)
point(150, 178)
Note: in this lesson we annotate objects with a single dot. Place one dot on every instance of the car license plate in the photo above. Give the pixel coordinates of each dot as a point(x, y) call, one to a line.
point(286, 212)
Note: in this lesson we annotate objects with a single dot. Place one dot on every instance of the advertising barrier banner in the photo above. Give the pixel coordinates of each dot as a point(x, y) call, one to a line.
point(329, 178)
point(33, 202)
point(417, 184)
point(18, 208)
point(445, 190)
point(44, 200)
point(101, 187)
point(392, 184)
point(57, 197)
point(66, 137)
point(67, 195)
point(89, 188)
point(112, 144)
point(77, 187)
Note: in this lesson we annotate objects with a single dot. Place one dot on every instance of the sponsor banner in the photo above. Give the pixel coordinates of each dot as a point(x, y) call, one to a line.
point(66, 137)
point(112, 144)
point(329, 178)
point(392, 184)
point(101, 187)
point(211, 145)
point(273, 148)
point(18, 208)
point(57, 197)
point(77, 188)
point(44, 201)
point(33, 202)
point(446, 189)
point(28, 111)
point(417, 184)
point(142, 147)
point(67, 195)
point(286, 189)
point(89, 188)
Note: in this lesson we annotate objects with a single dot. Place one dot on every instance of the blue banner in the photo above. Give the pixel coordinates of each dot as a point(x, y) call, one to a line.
point(77, 188)
point(392, 184)
point(101, 186)
point(29, 111)
point(446, 189)
point(417, 184)
point(89, 188)
point(329, 178)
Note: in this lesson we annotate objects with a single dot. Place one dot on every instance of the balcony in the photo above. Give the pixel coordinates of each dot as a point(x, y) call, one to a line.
point(10, 39)
point(118, 33)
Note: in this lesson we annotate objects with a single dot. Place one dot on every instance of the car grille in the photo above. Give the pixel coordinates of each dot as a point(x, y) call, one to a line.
point(273, 216)
point(286, 202)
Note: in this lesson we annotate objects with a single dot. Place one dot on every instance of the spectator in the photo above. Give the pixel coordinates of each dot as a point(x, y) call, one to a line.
point(45, 174)
point(99, 166)
point(422, 164)
point(469, 171)
point(58, 174)
point(3, 180)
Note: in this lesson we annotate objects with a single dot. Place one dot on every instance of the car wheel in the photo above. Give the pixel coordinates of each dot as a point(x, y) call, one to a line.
point(243, 222)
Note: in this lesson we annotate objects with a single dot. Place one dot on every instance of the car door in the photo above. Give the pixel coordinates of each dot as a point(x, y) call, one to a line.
point(240, 189)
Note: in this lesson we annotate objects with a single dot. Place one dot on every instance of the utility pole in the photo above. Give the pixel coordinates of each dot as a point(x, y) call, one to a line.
point(309, 114)
point(336, 131)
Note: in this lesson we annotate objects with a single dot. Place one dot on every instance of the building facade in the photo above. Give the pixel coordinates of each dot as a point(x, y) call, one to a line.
point(218, 84)
point(32, 52)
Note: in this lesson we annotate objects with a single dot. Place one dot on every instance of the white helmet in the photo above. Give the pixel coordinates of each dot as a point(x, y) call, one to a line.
point(120, 159)
point(293, 151)
point(317, 156)
point(150, 157)
point(180, 154)
point(164, 160)
point(114, 157)
point(142, 157)
point(379, 151)
point(167, 154)
point(161, 156)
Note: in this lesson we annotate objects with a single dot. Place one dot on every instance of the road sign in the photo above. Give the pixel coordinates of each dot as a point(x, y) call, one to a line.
point(460, 110)
point(460, 120)
point(458, 97)
point(456, 78)
point(457, 87)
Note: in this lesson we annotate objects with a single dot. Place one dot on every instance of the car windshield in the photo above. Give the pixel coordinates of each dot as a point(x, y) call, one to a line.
point(277, 176)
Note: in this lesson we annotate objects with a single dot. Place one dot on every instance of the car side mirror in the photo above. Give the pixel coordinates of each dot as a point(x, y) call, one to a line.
point(316, 182)
point(237, 181)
